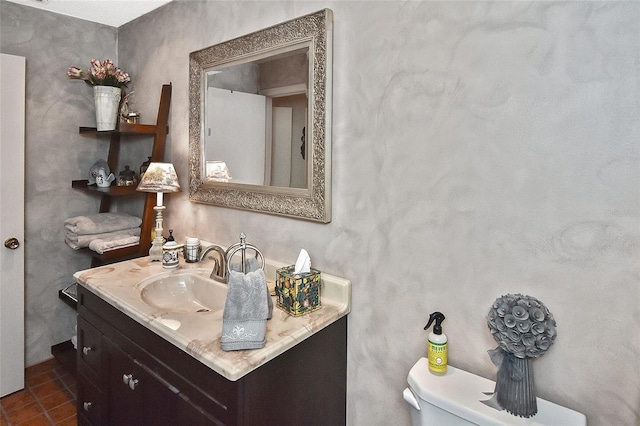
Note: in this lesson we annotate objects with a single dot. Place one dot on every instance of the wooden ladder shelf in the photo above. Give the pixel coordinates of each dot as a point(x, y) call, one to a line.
point(159, 132)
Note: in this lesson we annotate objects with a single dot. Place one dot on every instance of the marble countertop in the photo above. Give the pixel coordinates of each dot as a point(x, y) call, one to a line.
point(199, 333)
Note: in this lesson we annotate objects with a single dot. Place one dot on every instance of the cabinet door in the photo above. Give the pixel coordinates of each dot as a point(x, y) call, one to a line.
point(89, 349)
point(164, 405)
point(90, 404)
point(140, 396)
point(125, 382)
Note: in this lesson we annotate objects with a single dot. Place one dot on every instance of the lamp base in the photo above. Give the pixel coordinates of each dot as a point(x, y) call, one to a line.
point(155, 252)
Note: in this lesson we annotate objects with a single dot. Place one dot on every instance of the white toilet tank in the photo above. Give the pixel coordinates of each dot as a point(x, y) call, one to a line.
point(455, 399)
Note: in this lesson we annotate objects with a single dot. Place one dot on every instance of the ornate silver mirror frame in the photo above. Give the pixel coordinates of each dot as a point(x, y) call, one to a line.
point(312, 202)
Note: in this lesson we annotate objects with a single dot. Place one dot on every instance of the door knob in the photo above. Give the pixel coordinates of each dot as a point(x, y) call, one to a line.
point(12, 243)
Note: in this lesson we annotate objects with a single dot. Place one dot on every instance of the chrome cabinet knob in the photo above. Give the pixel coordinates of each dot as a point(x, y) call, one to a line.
point(86, 350)
point(86, 406)
point(130, 381)
point(133, 383)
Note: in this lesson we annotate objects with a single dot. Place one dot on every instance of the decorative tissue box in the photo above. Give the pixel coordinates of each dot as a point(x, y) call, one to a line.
point(297, 294)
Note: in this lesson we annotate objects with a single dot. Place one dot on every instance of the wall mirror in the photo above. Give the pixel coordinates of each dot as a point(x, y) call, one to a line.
point(260, 120)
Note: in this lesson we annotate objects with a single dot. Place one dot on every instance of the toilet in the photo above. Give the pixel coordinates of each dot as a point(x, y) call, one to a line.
point(455, 399)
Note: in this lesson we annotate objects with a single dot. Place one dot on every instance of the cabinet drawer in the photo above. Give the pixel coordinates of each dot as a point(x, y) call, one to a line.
point(89, 348)
point(90, 402)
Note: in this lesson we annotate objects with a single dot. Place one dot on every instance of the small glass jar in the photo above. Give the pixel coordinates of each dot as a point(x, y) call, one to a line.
point(192, 250)
point(133, 118)
point(127, 177)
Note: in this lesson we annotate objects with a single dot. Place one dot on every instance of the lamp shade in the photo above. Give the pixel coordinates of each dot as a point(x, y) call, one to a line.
point(159, 177)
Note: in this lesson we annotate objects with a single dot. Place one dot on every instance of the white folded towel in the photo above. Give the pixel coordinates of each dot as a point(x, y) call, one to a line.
point(100, 223)
point(101, 245)
point(76, 241)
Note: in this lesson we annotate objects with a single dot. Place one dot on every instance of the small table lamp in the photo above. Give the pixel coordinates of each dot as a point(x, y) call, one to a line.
point(159, 178)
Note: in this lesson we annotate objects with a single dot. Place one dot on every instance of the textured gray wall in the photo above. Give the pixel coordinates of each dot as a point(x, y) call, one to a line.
point(479, 148)
point(55, 155)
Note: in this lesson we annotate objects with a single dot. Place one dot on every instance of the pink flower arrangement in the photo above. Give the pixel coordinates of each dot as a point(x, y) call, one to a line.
point(101, 74)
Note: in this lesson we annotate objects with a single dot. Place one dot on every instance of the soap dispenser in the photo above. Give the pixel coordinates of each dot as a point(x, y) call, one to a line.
point(437, 345)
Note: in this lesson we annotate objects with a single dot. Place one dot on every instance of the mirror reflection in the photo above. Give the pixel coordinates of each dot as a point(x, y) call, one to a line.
point(260, 120)
point(257, 115)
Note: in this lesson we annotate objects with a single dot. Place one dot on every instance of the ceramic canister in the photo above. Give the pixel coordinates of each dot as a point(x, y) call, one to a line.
point(170, 252)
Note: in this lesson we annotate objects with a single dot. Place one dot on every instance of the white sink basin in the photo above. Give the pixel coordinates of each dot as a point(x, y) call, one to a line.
point(183, 292)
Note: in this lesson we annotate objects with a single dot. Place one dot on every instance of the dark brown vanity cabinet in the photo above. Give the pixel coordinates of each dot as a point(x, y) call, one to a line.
point(138, 395)
point(128, 375)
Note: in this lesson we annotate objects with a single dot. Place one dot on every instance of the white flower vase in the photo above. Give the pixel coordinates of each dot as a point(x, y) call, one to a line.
point(107, 100)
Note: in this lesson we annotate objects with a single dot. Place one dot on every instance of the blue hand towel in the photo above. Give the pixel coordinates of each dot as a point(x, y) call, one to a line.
point(246, 310)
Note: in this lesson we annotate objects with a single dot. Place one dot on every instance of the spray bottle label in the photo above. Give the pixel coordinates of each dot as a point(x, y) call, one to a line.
point(437, 354)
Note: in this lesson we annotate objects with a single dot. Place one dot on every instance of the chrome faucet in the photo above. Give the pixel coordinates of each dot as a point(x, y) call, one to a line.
point(219, 272)
point(222, 266)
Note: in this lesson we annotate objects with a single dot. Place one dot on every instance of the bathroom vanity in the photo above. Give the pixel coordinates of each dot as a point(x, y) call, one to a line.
point(143, 364)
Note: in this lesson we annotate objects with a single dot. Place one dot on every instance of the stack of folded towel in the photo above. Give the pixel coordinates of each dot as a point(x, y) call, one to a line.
point(102, 232)
point(247, 308)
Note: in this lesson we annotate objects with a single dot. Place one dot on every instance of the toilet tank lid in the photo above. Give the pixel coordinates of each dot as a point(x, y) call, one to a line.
point(461, 393)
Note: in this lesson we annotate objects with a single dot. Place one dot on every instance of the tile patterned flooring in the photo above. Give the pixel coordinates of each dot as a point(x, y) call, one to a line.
point(49, 398)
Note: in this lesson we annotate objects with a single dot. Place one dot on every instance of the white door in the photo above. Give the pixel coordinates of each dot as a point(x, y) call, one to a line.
point(236, 131)
point(281, 146)
point(12, 111)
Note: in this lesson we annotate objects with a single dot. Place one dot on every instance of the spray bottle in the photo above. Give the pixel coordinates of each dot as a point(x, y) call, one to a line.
point(437, 346)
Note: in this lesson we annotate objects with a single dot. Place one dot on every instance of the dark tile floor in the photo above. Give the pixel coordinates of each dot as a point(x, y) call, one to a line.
point(49, 398)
